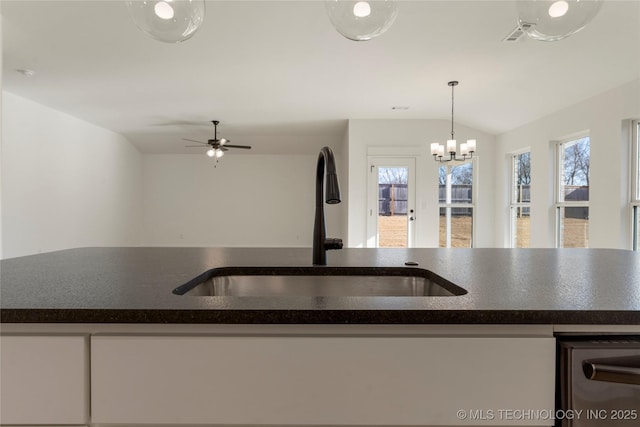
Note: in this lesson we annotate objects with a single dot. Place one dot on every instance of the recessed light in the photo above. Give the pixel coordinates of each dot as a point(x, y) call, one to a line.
point(26, 72)
point(400, 107)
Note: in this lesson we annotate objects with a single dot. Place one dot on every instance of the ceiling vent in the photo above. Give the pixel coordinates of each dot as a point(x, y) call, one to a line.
point(517, 33)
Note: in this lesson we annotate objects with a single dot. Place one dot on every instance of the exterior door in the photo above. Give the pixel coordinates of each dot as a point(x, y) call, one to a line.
point(391, 210)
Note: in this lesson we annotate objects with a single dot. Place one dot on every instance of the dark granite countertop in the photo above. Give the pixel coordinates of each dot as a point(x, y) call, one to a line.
point(505, 286)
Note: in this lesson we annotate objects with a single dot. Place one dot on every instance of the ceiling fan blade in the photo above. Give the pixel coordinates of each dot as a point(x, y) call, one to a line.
point(194, 146)
point(246, 147)
point(193, 140)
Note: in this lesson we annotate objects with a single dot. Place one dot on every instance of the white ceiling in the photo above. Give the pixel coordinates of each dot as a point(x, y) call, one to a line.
point(280, 78)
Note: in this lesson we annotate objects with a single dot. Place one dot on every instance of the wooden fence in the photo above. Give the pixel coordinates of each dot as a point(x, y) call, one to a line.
point(392, 199)
point(460, 193)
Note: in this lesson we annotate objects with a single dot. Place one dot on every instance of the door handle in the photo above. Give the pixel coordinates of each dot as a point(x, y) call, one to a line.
point(623, 370)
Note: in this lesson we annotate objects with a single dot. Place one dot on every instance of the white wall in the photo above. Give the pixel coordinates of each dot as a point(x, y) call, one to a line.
point(247, 200)
point(413, 138)
point(602, 117)
point(1, 118)
point(342, 160)
point(65, 183)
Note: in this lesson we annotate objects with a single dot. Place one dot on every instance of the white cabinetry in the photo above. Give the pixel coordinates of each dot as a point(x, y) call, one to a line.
point(44, 380)
point(331, 380)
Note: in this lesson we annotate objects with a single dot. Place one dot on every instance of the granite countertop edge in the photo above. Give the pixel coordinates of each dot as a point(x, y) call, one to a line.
point(363, 317)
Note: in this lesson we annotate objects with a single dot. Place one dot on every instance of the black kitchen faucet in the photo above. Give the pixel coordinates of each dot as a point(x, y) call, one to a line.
point(321, 244)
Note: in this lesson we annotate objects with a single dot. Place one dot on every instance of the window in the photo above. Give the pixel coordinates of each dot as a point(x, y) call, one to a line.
point(572, 199)
point(456, 203)
point(635, 186)
point(520, 204)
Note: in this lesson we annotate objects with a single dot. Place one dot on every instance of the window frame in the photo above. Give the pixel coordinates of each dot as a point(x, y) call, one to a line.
point(472, 205)
point(635, 185)
point(512, 192)
point(560, 203)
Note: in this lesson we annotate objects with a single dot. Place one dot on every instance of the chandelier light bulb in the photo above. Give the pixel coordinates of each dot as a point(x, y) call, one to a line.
point(211, 152)
point(362, 9)
point(451, 146)
point(558, 9)
point(219, 153)
point(163, 10)
point(471, 145)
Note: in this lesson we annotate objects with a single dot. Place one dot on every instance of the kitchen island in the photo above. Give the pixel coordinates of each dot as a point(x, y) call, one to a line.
point(504, 286)
point(96, 336)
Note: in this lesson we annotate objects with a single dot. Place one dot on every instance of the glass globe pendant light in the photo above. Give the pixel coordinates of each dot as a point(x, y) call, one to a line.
point(361, 20)
point(551, 20)
point(169, 21)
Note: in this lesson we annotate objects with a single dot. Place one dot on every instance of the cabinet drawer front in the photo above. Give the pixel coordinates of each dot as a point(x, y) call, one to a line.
point(44, 380)
point(318, 380)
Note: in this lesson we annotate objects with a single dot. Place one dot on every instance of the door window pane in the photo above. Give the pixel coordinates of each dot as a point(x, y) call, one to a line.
point(393, 226)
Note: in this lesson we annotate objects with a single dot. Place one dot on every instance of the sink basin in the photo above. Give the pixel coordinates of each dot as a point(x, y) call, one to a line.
point(319, 282)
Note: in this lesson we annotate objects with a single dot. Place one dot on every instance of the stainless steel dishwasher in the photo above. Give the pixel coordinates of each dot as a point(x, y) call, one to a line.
point(598, 381)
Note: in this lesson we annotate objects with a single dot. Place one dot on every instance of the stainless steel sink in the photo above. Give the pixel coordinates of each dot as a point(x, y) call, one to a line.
point(319, 282)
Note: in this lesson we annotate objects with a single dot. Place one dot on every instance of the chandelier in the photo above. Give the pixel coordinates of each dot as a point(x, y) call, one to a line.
point(466, 149)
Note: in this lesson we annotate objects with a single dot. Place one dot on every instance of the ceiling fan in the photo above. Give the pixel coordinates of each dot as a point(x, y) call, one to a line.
point(217, 146)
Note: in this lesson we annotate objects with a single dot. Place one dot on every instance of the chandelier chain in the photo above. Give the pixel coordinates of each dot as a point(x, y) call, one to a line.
point(453, 84)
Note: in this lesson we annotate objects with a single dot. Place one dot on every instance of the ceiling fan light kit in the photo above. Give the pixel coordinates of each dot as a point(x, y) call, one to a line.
point(553, 20)
point(169, 21)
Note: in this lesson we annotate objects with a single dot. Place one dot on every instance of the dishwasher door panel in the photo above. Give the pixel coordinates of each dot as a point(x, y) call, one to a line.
point(612, 397)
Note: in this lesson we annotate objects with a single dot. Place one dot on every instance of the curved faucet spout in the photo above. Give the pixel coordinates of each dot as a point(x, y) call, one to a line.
point(321, 244)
